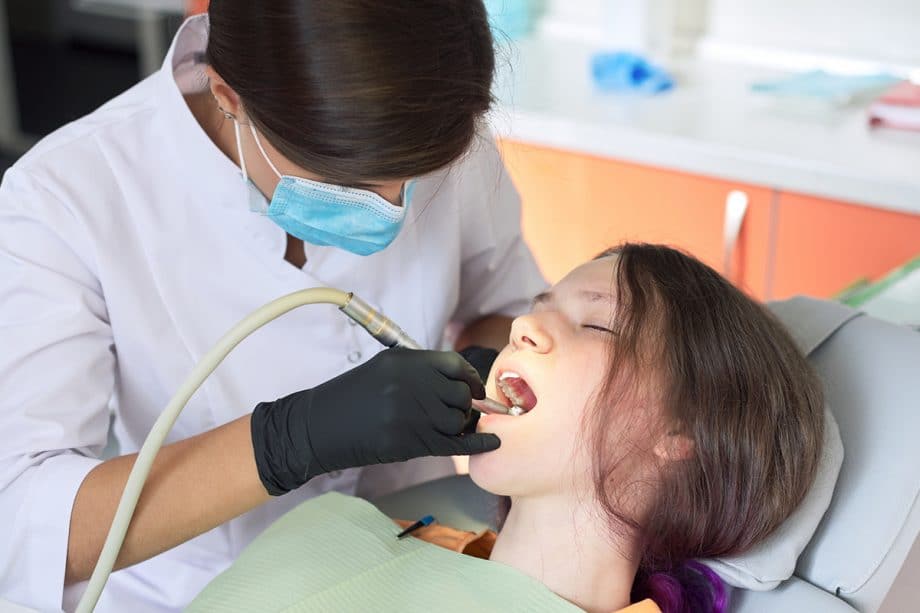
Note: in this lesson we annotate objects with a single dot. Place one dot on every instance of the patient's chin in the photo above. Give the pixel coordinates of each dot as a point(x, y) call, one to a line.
point(489, 472)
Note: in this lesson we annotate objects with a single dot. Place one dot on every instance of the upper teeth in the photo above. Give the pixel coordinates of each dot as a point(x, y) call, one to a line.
point(509, 375)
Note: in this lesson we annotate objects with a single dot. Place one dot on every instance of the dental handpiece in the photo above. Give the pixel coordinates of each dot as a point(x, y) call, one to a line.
point(489, 406)
point(380, 327)
point(389, 334)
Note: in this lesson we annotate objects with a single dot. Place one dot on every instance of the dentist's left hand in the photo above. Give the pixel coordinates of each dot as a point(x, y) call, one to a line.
point(401, 404)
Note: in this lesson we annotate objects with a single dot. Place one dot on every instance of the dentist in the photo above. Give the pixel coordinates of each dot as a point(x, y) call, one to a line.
point(283, 145)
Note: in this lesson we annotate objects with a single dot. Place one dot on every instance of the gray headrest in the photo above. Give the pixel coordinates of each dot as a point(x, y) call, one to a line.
point(871, 373)
point(811, 321)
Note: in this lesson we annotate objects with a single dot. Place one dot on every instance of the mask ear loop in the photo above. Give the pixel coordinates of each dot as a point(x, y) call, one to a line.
point(239, 149)
point(255, 135)
point(239, 142)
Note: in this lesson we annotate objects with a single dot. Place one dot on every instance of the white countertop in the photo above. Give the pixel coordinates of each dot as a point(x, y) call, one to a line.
point(710, 124)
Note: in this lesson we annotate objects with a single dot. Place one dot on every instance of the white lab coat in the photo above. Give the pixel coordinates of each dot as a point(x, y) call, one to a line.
point(127, 248)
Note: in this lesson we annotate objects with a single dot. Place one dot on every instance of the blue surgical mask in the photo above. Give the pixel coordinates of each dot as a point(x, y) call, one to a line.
point(356, 220)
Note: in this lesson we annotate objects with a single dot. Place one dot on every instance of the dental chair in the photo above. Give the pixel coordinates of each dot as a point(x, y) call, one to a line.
point(859, 552)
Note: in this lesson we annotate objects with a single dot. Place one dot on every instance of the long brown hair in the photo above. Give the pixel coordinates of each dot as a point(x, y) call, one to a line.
point(727, 377)
point(358, 90)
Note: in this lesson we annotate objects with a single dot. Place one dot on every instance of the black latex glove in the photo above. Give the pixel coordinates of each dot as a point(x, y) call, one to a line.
point(401, 404)
point(481, 359)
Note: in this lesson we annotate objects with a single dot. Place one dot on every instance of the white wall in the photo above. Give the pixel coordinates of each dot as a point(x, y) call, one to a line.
point(688, 11)
point(873, 30)
point(886, 30)
point(575, 18)
point(624, 23)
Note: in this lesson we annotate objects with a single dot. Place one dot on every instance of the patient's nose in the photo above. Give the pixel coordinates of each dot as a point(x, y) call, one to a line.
point(528, 333)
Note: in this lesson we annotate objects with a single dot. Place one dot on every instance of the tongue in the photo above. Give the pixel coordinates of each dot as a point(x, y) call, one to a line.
point(521, 394)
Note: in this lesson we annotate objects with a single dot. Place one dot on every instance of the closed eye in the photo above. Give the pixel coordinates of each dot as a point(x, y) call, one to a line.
point(598, 328)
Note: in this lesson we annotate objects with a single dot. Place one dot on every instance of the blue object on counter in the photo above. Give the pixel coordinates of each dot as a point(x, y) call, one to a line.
point(826, 86)
point(628, 72)
point(512, 18)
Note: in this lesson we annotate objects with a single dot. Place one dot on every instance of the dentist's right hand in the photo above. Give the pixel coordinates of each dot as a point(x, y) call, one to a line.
point(401, 404)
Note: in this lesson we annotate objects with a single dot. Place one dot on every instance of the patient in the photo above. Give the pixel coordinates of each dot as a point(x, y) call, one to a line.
point(670, 418)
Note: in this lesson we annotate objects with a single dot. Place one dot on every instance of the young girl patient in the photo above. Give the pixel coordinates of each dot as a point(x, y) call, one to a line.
point(669, 418)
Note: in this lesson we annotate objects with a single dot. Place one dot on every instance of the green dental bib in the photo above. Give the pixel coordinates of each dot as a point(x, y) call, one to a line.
point(338, 553)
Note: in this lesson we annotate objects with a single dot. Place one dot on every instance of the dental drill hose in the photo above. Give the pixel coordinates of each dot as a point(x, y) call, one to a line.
point(380, 327)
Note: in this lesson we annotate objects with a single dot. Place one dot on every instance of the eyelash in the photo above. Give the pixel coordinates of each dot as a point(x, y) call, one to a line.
point(598, 328)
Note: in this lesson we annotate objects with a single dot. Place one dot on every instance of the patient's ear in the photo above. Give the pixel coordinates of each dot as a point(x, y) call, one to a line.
point(674, 446)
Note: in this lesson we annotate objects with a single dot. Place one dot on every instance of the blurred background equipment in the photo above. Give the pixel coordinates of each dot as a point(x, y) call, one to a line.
point(60, 59)
point(898, 108)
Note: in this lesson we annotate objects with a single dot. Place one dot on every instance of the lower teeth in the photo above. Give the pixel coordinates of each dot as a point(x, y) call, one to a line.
point(516, 411)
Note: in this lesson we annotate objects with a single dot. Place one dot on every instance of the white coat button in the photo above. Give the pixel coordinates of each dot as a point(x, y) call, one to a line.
point(354, 357)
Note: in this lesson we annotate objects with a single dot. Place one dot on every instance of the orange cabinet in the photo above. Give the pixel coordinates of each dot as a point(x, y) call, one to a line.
point(194, 7)
point(575, 206)
point(822, 246)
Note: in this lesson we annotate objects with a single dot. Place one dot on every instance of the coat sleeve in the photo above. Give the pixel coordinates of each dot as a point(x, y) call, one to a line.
point(57, 365)
point(499, 275)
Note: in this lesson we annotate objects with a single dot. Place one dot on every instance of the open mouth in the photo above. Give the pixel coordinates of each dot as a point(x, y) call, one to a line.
point(515, 392)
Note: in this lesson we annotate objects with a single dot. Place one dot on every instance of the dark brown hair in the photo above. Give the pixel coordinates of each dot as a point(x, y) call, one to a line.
point(729, 378)
point(358, 90)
